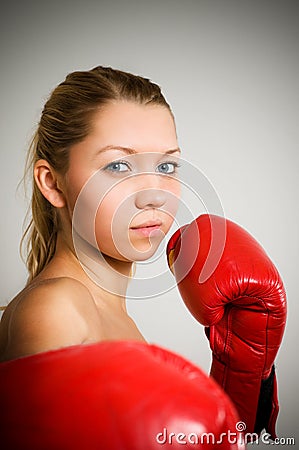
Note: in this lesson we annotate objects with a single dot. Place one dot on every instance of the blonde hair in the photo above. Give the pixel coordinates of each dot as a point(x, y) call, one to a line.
point(65, 121)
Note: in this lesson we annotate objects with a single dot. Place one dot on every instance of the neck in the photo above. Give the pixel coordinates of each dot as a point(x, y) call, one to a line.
point(106, 278)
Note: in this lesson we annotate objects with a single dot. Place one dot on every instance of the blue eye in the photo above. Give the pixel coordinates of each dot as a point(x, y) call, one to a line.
point(116, 166)
point(169, 167)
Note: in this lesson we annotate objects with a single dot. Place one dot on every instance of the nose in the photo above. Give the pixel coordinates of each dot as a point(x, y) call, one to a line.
point(150, 198)
point(150, 193)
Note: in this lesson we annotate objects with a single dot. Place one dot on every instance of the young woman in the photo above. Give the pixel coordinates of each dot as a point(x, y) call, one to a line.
point(105, 193)
point(105, 187)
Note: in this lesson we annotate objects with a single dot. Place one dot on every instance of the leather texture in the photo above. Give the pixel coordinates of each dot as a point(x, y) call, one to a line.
point(116, 395)
point(242, 302)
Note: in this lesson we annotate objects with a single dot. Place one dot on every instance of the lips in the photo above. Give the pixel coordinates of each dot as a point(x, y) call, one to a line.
point(149, 229)
point(148, 224)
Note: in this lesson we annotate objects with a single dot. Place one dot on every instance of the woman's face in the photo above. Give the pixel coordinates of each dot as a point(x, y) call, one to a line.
point(122, 176)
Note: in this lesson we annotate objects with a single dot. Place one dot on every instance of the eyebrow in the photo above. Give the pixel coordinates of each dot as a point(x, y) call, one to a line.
point(131, 151)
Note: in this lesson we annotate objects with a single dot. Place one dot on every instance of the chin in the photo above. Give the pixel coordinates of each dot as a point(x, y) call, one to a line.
point(134, 250)
point(146, 252)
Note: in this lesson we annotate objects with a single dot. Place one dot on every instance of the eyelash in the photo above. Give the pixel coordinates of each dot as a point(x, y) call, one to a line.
point(174, 163)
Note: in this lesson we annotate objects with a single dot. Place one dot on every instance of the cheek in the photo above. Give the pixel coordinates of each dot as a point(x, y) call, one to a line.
point(73, 188)
point(174, 185)
point(105, 216)
point(91, 204)
point(173, 200)
point(112, 221)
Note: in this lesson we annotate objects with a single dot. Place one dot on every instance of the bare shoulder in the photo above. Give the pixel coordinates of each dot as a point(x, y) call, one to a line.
point(52, 296)
point(46, 315)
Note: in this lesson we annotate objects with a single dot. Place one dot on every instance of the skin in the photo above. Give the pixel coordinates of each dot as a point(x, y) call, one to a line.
point(64, 305)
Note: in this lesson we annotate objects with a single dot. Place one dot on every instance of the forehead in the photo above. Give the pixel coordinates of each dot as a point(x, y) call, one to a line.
point(129, 124)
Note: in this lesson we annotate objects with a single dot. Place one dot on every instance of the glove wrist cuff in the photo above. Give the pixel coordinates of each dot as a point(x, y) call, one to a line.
point(258, 409)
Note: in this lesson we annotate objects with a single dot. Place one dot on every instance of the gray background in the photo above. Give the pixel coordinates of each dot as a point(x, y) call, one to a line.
point(230, 71)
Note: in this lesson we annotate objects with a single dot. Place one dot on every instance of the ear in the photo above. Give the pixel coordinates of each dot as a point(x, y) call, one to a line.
point(47, 182)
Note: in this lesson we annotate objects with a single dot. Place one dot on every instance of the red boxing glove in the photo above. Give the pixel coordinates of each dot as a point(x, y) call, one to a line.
point(230, 285)
point(113, 395)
